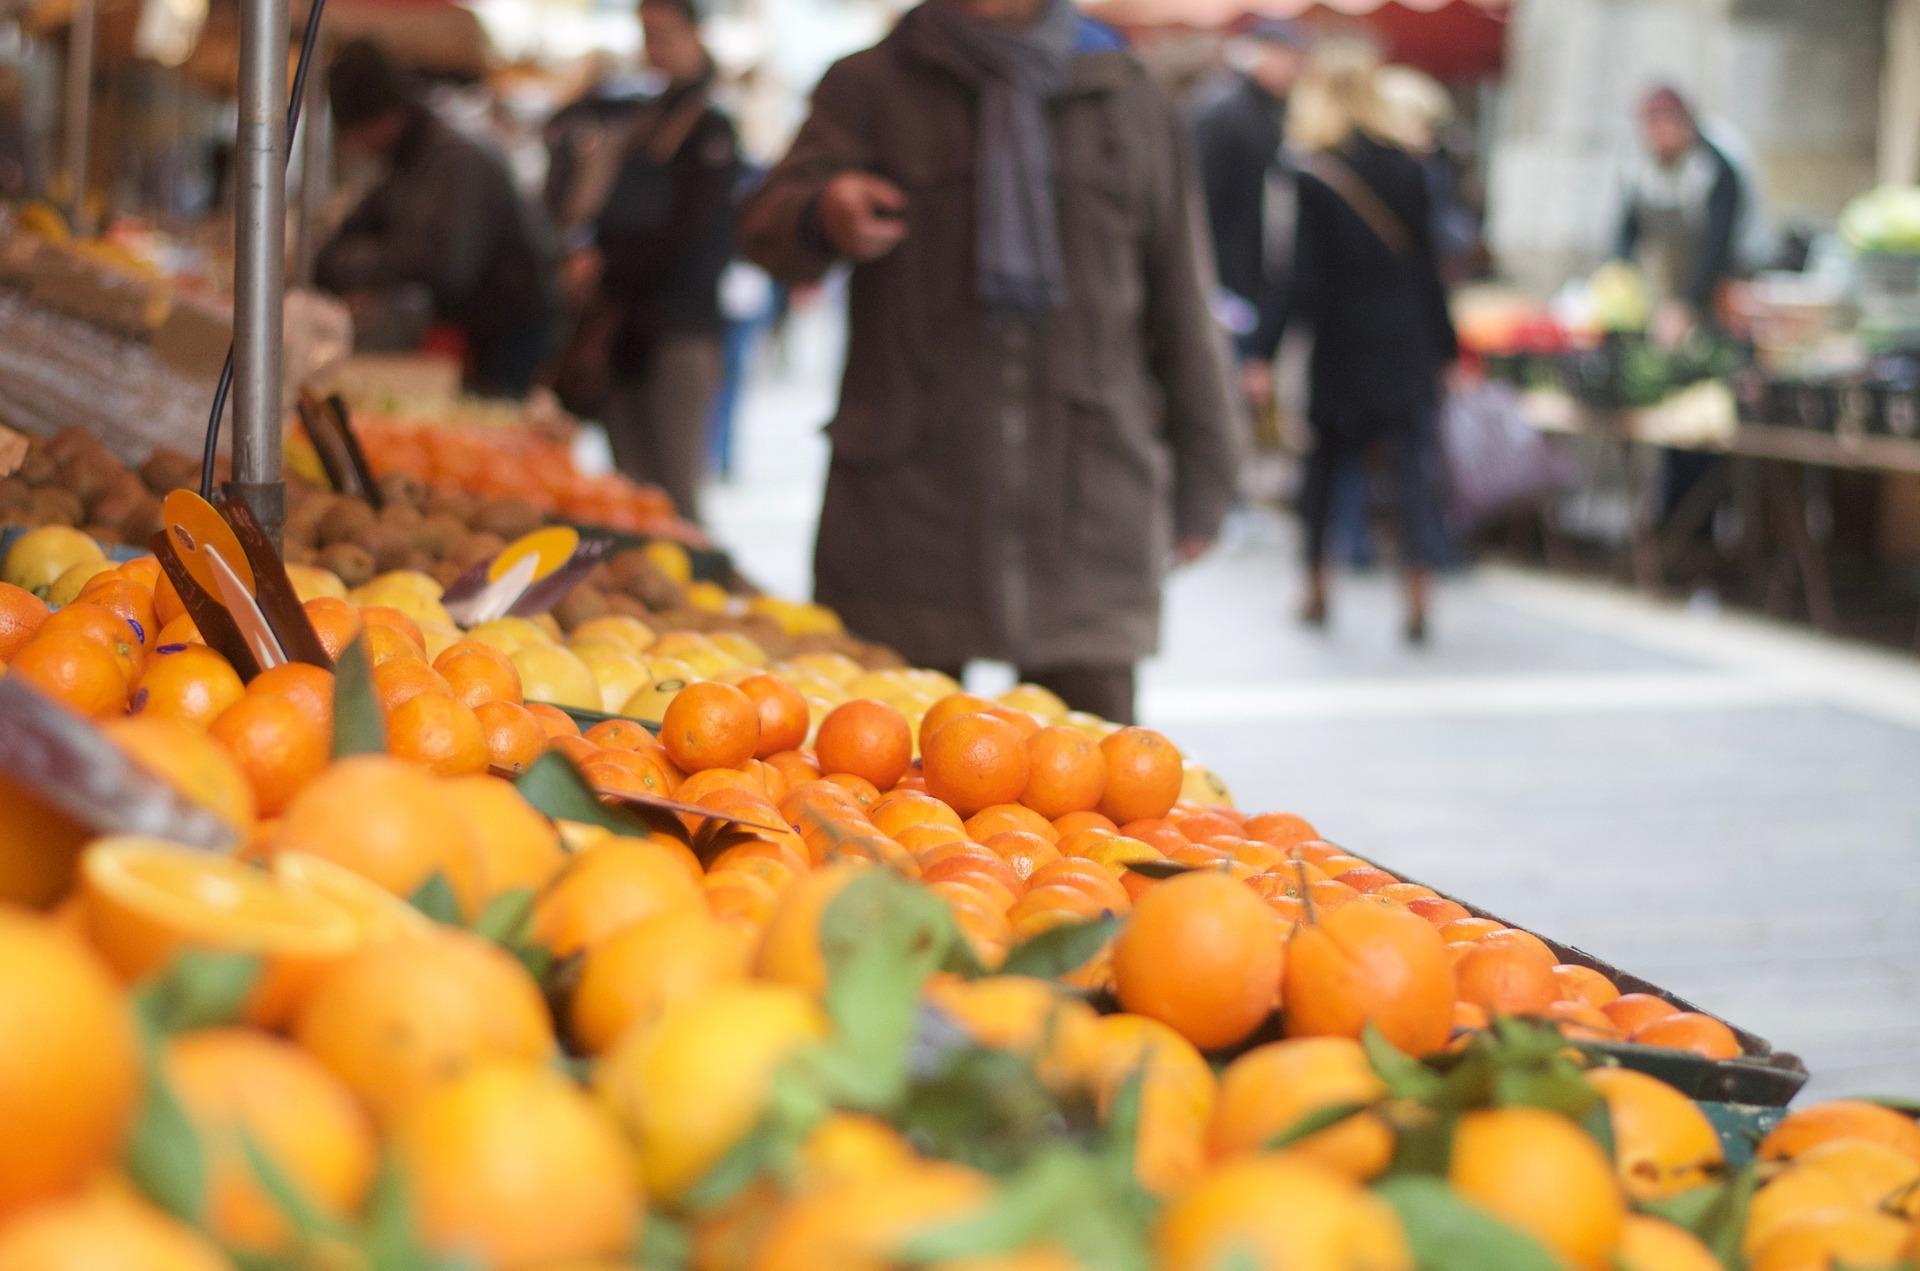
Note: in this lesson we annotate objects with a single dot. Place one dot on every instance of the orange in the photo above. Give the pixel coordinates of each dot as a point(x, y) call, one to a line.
point(692, 1083)
point(907, 809)
point(623, 734)
point(976, 762)
point(1144, 773)
point(865, 739)
point(1795, 1196)
point(1579, 1022)
point(1272, 1088)
point(192, 684)
point(1006, 1012)
point(513, 1166)
point(1808, 1128)
point(555, 721)
point(1701, 1034)
point(1584, 984)
point(1090, 879)
point(1023, 852)
point(1066, 773)
point(629, 772)
point(1630, 1011)
point(372, 616)
point(180, 631)
point(513, 736)
point(191, 763)
point(105, 1229)
point(81, 674)
point(1663, 1143)
point(146, 901)
point(1834, 1239)
point(797, 766)
point(513, 846)
point(1202, 954)
point(710, 725)
point(1653, 1244)
point(439, 733)
point(394, 1019)
point(1540, 1173)
point(1177, 1089)
point(949, 708)
point(1368, 963)
point(1065, 825)
point(1878, 1176)
point(1001, 817)
point(383, 818)
point(84, 620)
point(378, 914)
point(400, 680)
point(21, 613)
point(1279, 1211)
point(70, 1073)
point(1283, 828)
point(1438, 910)
point(607, 888)
point(478, 674)
point(869, 1223)
point(790, 950)
point(784, 718)
point(1469, 929)
point(277, 746)
point(633, 977)
point(1504, 981)
point(335, 621)
point(238, 1084)
point(131, 601)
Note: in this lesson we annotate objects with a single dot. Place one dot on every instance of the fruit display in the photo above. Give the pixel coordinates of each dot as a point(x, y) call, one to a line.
point(908, 978)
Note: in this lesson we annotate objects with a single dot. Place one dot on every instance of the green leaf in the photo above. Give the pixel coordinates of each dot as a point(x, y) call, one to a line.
point(387, 1238)
point(962, 961)
point(1555, 1087)
point(307, 1221)
point(664, 1244)
point(436, 900)
point(1160, 869)
point(1724, 1225)
point(881, 938)
point(1405, 1076)
point(1121, 1141)
point(1315, 1121)
point(164, 1156)
point(358, 726)
point(1024, 1207)
point(988, 1109)
point(507, 916)
point(1905, 1105)
point(555, 787)
point(1447, 1233)
point(197, 990)
point(1061, 950)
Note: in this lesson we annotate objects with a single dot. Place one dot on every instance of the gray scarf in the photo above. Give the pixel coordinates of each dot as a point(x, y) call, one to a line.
point(1016, 74)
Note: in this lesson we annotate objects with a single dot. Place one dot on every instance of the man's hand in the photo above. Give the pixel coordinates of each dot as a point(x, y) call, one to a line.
point(1673, 324)
point(1189, 550)
point(863, 215)
point(1256, 383)
point(580, 274)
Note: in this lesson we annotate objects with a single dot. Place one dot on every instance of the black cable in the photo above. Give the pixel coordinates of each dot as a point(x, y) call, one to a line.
point(225, 386)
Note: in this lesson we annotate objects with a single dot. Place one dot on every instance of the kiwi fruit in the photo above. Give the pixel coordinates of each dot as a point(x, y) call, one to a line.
point(400, 516)
point(509, 518)
point(143, 520)
point(52, 506)
point(401, 487)
point(73, 441)
point(580, 606)
point(474, 548)
point(437, 534)
point(348, 521)
point(446, 573)
point(350, 561)
point(37, 468)
point(14, 496)
point(627, 606)
point(168, 470)
point(454, 503)
point(84, 478)
point(387, 546)
point(105, 535)
point(113, 508)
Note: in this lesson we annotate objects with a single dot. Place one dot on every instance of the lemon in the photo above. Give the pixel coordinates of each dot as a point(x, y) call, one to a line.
point(671, 559)
point(1204, 787)
point(549, 673)
point(649, 704)
point(620, 674)
point(616, 628)
point(660, 668)
point(509, 635)
point(740, 647)
point(66, 588)
point(440, 636)
point(38, 558)
point(406, 582)
point(835, 668)
point(1043, 704)
point(708, 597)
point(311, 582)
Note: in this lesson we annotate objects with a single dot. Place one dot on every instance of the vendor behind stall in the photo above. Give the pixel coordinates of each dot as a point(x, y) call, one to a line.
point(445, 216)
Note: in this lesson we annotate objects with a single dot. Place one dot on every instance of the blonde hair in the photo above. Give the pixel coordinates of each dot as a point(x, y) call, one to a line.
point(1337, 96)
point(1417, 106)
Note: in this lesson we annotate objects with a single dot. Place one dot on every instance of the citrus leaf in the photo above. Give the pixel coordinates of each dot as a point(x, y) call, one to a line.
point(962, 961)
point(164, 1156)
point(507, 916)
point(555, 787)
point(1554, 1087)
point(197, 990)
point(881, 938)
point(436, 900)
point(1160, 869)
point(1905, 1105)
point(1447, 1233)
point(1062, 950)
point(358, 726)
point(1024, 1206)
point(285, 1194)
point(387, 1240)
point(1315, 1121)
point(664, 1244)
point(1405, 1076)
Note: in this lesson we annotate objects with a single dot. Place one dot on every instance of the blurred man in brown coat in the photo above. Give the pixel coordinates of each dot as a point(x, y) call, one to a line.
point(1034, 422)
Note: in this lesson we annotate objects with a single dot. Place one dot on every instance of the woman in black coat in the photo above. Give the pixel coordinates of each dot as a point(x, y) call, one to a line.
point(1366, 280)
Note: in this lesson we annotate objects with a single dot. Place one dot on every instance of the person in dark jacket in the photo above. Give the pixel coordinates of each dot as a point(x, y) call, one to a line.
point(1366, 281)
point(1682, 216)
point(1239, 125)
point(664, 237)
point(445, 216)
point(1034, 422)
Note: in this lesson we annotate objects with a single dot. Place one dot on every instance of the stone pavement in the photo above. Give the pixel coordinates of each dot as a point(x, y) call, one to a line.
point(1727, 808)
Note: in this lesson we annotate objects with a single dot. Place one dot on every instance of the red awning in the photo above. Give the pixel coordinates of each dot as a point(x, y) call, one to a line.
point(1448, 39)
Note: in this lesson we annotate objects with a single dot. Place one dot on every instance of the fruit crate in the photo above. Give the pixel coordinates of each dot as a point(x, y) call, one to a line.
point(1762, 1077)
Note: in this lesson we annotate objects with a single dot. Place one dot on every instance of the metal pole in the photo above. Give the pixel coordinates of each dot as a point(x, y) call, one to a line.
point(260, 233)
point(316, 162)
point(79, 106)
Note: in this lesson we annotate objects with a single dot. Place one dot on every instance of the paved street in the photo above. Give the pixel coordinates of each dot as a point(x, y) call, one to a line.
point(1725, 807)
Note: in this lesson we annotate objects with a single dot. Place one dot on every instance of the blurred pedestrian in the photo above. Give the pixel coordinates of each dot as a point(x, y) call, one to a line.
point(444, 217)
point(664, 236)
point(1034, 421)
point(1366, 281)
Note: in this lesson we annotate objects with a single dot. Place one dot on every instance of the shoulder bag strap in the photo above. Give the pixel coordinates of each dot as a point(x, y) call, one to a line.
point(1360, 198)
